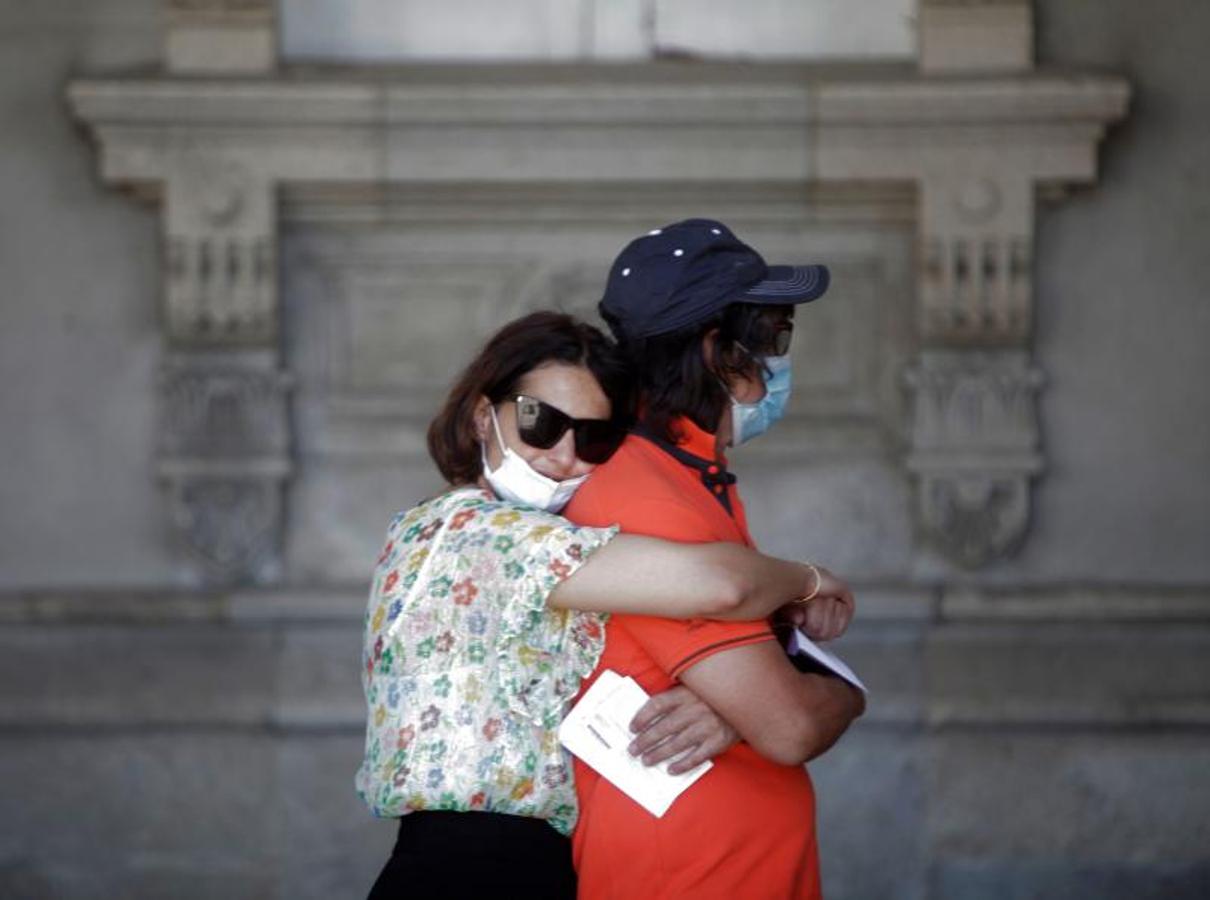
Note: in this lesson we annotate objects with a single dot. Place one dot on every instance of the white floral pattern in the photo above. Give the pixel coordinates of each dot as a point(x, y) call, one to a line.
point(467, 673)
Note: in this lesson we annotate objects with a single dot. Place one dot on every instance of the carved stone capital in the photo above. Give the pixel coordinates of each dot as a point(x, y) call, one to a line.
point(224, 457)
point(974, 441)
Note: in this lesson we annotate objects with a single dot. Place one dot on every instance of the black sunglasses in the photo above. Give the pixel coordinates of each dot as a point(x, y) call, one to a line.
point(542, 425)
point(767, 344)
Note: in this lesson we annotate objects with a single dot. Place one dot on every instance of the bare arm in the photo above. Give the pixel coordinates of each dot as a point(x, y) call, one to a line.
point(653, 577)
point(787, 716)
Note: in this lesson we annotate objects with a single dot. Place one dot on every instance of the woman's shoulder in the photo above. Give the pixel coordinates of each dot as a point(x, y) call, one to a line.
point(469, 508)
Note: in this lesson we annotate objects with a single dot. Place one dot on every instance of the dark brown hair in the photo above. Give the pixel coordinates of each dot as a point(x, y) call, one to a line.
point(671, 374)
point(496, 372)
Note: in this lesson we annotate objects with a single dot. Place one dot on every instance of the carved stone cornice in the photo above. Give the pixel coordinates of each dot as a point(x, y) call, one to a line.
point(416, 125)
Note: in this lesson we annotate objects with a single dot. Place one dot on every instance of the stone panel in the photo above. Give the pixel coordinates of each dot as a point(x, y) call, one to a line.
point(318, 677)
point(1047, 878)
point(1069, 673)
point(1019, 815)
point(137, 816)
point(99, 676)
point(872, 805)
point(334, 848)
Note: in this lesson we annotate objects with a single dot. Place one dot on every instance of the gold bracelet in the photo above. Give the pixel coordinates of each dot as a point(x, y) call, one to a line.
point(818, 584)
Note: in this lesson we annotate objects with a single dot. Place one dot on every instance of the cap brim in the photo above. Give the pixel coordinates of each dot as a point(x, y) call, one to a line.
point(788, 284)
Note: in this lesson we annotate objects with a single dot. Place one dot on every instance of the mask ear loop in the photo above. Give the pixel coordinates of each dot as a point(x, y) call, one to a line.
point(487, 467)
point(496, 428)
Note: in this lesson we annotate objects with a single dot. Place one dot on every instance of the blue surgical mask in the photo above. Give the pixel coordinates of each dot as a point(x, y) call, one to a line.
point(749, 420)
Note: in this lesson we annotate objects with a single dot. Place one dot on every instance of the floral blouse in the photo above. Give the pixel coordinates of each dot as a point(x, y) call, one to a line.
point(467, 673)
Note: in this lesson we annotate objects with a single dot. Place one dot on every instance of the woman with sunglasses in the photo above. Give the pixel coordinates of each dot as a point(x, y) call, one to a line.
point(486, 611)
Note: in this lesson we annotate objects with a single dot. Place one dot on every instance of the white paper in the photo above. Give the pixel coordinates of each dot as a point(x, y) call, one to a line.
point(801, 645)
point(597, 730)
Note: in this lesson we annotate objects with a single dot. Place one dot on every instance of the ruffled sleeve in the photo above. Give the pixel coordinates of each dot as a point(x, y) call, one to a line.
point(543, 653)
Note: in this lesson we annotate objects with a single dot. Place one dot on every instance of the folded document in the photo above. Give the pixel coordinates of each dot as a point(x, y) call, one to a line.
point(802, 646)
point(597, 730)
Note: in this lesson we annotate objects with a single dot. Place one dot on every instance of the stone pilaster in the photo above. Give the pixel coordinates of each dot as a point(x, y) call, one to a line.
point(224, 443)
point(974, 433)
point(225, 437)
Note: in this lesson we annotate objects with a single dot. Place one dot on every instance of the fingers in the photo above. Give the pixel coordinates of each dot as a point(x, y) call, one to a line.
point(826, 619)
point(678, 720)
point(659, 705)
point(687, 740)
point(676, 725)
point(692, 759)
point(718, 741)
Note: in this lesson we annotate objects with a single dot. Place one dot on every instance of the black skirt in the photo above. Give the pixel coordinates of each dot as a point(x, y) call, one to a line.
point(453, 855)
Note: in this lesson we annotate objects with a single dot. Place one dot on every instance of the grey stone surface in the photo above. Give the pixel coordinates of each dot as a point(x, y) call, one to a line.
point(1046, 879)
point(1044, 739)
point(1117, 797)
point(1068, 673)
point(79, 339)
point(318, 676)
point(1121, 323)
point(139, 815)
point(871, 796)
point(98, 676)
point(334, 848)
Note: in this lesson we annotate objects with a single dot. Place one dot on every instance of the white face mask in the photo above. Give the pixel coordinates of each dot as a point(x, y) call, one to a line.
point(516, 480)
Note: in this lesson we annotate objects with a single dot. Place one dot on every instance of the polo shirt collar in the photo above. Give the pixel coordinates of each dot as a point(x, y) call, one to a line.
point(696, 440)
point(695, 448)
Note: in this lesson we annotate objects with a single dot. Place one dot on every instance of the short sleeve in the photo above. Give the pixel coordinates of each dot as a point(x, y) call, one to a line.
point(674, 644)
point(542, 652)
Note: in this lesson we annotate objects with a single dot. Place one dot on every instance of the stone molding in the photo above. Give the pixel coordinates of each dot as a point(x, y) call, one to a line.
point(977, 147)
point(1073, 657)
point(821, 124)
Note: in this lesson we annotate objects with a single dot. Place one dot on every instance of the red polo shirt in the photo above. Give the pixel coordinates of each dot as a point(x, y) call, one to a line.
point(746, 829)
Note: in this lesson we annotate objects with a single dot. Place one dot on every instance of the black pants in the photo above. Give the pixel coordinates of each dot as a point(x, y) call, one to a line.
point(453, 855)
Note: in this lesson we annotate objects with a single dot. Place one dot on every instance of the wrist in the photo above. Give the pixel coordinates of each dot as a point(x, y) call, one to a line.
point(814, 580)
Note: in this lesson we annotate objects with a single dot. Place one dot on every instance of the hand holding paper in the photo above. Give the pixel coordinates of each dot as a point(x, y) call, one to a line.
point(801, 645)
point(597, 730)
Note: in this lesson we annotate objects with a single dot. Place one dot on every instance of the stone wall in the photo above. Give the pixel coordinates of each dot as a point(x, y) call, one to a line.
point(79, 331)
point(1038, 728)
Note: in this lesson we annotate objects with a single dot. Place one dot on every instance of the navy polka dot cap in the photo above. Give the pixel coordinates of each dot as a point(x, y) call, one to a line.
point(684, 273)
